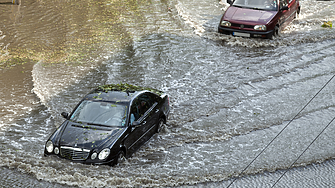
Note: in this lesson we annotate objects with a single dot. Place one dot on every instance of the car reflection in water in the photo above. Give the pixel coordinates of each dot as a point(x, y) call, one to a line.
point(109, 124)
point(258, 18)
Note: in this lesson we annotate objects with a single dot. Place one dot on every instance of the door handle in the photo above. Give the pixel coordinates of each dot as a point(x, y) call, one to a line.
point(144, 122)
point(157, 110)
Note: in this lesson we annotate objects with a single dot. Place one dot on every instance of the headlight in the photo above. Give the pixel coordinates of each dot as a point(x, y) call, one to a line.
point(104, 154)
point(56, 150)
point(49, 146)
point(260, 27)
point(225, 23)
point(94, 155)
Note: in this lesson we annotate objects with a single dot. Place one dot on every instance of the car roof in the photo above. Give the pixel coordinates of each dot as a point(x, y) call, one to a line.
point(119, 92)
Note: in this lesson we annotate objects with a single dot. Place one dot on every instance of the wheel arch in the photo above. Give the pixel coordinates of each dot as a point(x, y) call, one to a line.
point(124, 149)
point(163, 116)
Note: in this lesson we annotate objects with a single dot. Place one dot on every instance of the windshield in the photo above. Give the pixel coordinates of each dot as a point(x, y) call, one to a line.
point(257, 4)
point(100, 113)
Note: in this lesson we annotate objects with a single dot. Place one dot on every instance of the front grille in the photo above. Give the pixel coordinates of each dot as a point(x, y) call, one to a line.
point(74, 153)
point(242, 26)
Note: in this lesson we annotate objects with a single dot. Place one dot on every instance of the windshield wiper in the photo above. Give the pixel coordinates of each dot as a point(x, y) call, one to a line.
point(255, 8)
point(87, 126)
point(239, 6)
point(97, 124)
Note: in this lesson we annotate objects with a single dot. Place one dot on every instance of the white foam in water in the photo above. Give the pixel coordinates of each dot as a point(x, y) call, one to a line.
point(191, 20)
point(3, 46)
point(51, 79)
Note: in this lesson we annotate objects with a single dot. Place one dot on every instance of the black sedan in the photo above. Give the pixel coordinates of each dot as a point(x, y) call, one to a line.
point(109, 124)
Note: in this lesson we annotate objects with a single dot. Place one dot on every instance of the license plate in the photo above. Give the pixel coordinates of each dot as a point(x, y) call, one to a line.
point(241, 34)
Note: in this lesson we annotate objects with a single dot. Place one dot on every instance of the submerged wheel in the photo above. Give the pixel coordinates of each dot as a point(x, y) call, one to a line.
point(296, 14)
point(120, 158)
point(160, 125)
point(274, 34)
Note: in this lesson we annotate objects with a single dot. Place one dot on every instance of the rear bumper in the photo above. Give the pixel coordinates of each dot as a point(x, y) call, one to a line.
point(256, 34)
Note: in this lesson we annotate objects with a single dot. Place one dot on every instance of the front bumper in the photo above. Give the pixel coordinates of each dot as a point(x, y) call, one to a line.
point(88, 161)
point(256, 34)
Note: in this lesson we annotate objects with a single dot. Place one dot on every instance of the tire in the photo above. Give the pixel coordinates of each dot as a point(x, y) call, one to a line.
point(120, 158)
point(274, 34)
point(160, 125)
point(296, 14)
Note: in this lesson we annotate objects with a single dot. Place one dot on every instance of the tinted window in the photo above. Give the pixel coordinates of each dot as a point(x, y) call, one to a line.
point(140, 105)
point(282, 3)
point(134, 111)
point(145, 103)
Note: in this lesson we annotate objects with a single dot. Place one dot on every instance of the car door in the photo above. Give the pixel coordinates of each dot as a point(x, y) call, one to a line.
point(284, 13)
point(141, 112)
point(293, 6)
point(153, 112)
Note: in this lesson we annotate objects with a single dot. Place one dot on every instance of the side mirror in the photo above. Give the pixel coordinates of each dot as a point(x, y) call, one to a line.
point(65, 115)
point(284, 8)
point(230, 2)
point(135, 124)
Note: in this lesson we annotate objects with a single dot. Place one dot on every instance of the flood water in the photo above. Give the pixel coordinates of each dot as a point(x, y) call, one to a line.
point(230, 96)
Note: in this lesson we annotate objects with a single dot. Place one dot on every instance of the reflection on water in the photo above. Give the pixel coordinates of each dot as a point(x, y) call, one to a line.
point(66, 30)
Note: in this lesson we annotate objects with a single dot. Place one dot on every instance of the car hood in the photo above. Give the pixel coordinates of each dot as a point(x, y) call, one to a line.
point(245, 16)
point(88, 136)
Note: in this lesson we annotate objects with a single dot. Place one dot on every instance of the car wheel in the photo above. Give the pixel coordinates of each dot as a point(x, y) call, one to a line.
point(296, 14)
point(120, 158)
point(274, 34)
point(160, 125)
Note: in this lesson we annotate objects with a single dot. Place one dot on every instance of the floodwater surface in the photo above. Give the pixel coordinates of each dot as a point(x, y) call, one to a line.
point(253, 108)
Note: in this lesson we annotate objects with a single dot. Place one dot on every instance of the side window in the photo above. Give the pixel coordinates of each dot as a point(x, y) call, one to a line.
point(134, 114)
point(145, 103)
point(153, 98)
point(282, 3)
point(140, 105)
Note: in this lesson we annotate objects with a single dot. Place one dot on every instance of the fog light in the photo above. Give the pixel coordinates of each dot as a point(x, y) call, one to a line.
point(94, 155)
point(56, 150)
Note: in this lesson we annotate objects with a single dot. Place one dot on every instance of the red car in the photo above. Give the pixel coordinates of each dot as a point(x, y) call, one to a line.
point(258, 18)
